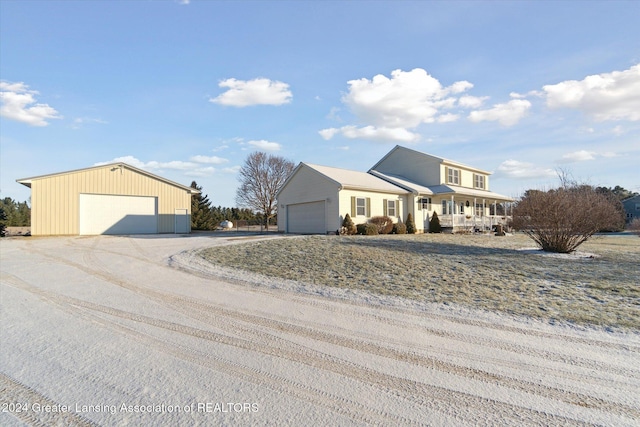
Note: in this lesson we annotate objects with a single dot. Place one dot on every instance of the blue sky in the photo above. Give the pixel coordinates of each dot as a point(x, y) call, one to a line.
point(188, 89)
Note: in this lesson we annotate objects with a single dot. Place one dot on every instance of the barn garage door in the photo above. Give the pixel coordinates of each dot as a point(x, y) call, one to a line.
point(306, 218)
point(108, 214)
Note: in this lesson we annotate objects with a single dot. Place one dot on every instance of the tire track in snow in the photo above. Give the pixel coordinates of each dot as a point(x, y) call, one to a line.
point(428, 396)
point(13, 391)
point(409, 357)
point(90, 312)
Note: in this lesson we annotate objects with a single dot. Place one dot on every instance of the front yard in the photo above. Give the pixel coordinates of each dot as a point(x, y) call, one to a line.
point(476, 271)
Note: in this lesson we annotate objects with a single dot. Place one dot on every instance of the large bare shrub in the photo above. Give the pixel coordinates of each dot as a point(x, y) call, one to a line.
point(560, 220)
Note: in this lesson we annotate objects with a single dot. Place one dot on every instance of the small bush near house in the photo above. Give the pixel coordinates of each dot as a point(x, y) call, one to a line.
point(399, 228)
point(367, 229)
point(384, 224)
point(434, 224)
point(634, 226)
point(411, 226)
point(348, 227)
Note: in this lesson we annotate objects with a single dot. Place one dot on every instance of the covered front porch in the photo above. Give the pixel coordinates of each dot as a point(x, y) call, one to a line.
point(473, 223)
point(461, 212)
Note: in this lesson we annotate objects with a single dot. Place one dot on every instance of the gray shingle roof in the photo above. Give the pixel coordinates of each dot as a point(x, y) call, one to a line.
point(357, 180)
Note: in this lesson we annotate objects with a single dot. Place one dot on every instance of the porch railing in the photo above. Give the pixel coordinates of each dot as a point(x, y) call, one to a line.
point(472, 222)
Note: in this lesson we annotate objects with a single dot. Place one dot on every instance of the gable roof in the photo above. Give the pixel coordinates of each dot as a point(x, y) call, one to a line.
point(349, 179)
point(415, 153)
point(628, 199)
point(27, 181)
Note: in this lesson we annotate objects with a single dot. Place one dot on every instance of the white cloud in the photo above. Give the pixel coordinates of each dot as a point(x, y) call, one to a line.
point(201, 172)
point(535, 93)
point(447, 118)
point(19, 104)
point(193, 168)
point(334, 114)
point(151, 165)
point(618, 130)
point(578, 156)
point(329, 133)
point(214, 160)
point(508, 114)
point(584, 155)
point(405, 100)
point(469, 101)
point(259, 91)
point(79, 122)
point(607, 96)
point(130, 160)
point(522, 170)
point(265, 145)
point(231, 170)
point(174, 164)
point(382, 134)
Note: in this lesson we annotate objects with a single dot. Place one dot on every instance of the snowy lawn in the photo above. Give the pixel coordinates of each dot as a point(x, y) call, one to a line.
point(596, 286)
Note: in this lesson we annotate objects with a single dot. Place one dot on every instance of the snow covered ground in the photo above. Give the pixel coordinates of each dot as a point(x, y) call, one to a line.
point(128, 331)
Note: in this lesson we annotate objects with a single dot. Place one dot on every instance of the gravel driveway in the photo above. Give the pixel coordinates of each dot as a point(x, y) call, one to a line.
point(123, 331)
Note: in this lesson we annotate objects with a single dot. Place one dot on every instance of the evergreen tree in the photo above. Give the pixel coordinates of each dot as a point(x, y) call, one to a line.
point(348, 227)
point(201, 214)
point(16, 214)
point(3, 219)
point(411, 225)
point(434, 224)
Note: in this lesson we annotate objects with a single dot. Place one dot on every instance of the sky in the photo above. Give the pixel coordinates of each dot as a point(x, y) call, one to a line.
point(187, 89)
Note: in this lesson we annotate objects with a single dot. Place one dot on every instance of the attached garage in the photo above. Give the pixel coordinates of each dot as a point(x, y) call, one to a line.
point(306, 218)
point(109, 199)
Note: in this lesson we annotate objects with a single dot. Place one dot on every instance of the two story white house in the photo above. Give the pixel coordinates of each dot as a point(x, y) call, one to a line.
point(315, 199)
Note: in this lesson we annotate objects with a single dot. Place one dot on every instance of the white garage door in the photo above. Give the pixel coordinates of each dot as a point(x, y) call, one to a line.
point(306, 218)
point(108, 214)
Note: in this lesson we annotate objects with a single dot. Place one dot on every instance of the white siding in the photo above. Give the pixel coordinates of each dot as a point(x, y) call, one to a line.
point(309, 186)
point(422, 169)
point(376, 204)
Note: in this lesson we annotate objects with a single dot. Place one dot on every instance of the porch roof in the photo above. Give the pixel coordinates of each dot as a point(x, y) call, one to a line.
point(470, 192)
point(439, 190)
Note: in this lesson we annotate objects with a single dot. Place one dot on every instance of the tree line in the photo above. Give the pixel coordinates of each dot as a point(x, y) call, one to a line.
point(15, 214)
point(204, 216)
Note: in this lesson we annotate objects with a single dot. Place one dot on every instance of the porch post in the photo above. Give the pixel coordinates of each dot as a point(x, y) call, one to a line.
point(453, 211)
point(484, 214)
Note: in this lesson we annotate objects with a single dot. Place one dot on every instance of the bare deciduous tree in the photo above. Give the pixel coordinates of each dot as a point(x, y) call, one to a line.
point(261, 177)
point(560, 220)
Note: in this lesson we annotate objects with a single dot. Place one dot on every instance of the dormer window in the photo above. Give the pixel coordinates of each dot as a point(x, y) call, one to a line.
point(453, 176)
point(478, 181)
